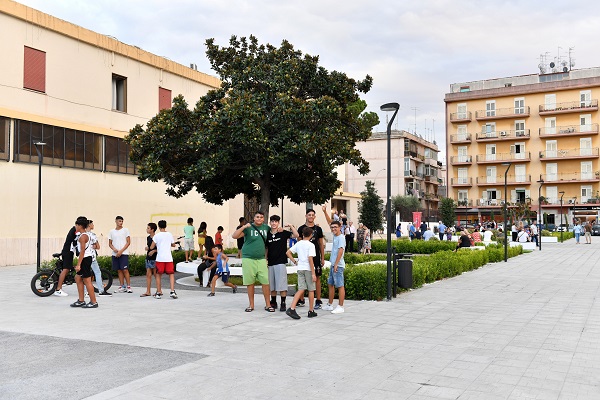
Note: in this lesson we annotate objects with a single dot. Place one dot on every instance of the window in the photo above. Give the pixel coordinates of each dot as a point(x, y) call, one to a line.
point(34, 70)
point(116, 156)
point(463, 195)
point(490, 152)
point(519, 128)
point(552, 194)
point(551, 172)
point(461, 132)
point(585, 98)
point(520, 173)
point(520, 105)
point(517, 151)
point(551, 148)
point(585, 123)
point(164, 99)
point(550, 102)
point(550, 125)
point(586, 193)
point(585, 146)
point(492, 194)
point(490, 108)
point(490, 129)
point(465, 88)
point(4, 135)
point(490, 173)
point(462, 154)
point(461, 111)
point(119, 93)
point(586, 170)
point(463, 176)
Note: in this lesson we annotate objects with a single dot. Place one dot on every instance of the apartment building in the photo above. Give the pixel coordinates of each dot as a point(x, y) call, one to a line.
point(538, 130)
point(415, 168)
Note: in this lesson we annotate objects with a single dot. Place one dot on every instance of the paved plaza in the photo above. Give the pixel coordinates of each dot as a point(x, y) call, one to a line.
point(526, 329)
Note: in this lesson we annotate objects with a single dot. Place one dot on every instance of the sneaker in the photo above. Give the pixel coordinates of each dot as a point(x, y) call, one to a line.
point(274, 304)
point(234, 289)
point(60, 293)
point(292, 313)
point(78, 304)
point(282, 308)
point(158, 296)
point(187, 262)
point(301, 303)
point(95, 290)
point(317, 306)
point(91, 305)
point(121, 289)
point(104, 293)
point(338, 310)
point(173, 295)
point(211, 295)
point(327, 307)
point(129, 289)
point(311, 314)
point(319, 302)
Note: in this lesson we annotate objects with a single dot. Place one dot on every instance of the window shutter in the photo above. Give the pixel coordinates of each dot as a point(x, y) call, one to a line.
point(34, 70)
point(164, 99)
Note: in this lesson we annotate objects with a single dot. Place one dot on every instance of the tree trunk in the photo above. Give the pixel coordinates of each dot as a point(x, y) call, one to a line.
point(265, 197)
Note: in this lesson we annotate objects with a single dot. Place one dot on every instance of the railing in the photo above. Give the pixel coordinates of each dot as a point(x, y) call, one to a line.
point(572, 176)
point(525, 156)
point(414, 174)
point(507, 134)
point(503, 113)
point(461, 159)
point(582, 152)
point(489, 202)
point(569, 106)
point(464, 203)
point(461, 181)
point(499, 179)
point(460, 116)
point(569, 129)
point(414, 154)
point(460, 137)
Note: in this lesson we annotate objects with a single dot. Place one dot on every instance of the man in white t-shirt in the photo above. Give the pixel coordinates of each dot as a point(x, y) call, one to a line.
point(534, 233)
point(119, 241)
point(487, 235)
point(522, 236)
point(163, 241)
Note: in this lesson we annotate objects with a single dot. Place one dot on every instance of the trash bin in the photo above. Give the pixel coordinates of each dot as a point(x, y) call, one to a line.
point(405, 273)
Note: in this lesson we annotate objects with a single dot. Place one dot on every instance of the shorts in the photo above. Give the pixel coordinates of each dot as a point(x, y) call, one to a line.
point(305, 281)
point(120, 263)
point(278, 277)
point(150, 264)
point(67, 257)
point(255, 270)
point(224, 276)
point(336, 278)
point(201, 241)
point(318, 266)
point(86, 268)
point(188, 244)
point(165, 266)
point(588, 235)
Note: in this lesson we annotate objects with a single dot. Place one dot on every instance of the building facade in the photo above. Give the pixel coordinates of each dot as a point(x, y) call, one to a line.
point(539, 130)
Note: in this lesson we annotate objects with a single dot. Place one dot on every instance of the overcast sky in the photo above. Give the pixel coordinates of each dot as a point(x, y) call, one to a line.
point(413, 49)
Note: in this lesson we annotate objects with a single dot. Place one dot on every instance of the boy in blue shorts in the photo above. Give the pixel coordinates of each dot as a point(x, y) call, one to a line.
point(222, 262)
point(336, 273)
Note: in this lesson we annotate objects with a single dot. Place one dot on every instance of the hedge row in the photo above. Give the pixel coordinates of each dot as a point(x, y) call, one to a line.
point(414, 247)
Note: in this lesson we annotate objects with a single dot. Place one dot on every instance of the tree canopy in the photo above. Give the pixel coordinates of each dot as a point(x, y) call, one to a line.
point(370, 208)
point(447, 211)
point(278, 126)
point(406, 205)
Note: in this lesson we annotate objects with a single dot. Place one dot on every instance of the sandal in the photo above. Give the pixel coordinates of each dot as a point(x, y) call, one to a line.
point(249, 309)
point(269, 309)
point(146, 295)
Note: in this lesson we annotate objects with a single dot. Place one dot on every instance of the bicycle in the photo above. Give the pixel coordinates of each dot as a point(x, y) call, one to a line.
point(44, 283)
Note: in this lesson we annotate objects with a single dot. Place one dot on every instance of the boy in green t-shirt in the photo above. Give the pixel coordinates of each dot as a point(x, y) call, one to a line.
point(188, 240)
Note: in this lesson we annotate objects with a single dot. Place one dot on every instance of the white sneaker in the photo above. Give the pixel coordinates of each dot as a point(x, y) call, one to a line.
point(338, 310)
point(327, 307)
point(60, 293)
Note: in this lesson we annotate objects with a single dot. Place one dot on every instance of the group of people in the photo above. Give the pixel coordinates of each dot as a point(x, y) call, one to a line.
point(583, 229)
point(524, 233)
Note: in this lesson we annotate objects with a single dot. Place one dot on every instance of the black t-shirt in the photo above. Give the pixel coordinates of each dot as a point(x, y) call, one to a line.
point(68, 241)
point(240, 241)
point(314, 239)
point(464, 241)
point(277, 246)
point(149, 243)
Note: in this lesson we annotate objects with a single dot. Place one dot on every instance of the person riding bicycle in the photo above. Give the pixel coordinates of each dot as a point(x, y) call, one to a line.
point(67, 257)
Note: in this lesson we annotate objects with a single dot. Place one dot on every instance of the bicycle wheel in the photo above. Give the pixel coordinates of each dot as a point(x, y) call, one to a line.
point(106, 279)
point(44, 283)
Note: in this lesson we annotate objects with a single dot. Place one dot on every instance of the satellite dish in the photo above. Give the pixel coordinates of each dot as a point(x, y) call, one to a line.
point(552, 65)
point(565, 69)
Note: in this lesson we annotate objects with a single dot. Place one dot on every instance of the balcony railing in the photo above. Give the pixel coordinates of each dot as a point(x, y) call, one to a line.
point(503, 135)
point(569, 106)
point(460, 138)
point(460, 116)
point(432, 179)
point(414, 174)
point(501, 113)
point(502, 157)
point(461, 181)
point(461, 160)
point(572, 177)
point(414, 154)
point(499, 180)
point(582, 152)
point(569, 130)
point(464, 203)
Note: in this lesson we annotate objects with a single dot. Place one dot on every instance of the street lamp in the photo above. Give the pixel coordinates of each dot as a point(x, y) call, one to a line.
point(389, 107)
point(505, 212)
point(39, 219)
point(466, 206)
point(541, 182)
point(561, 216)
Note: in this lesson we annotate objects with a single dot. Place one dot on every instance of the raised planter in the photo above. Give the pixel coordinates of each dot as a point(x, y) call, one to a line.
point(549, 239)
point(526, 245)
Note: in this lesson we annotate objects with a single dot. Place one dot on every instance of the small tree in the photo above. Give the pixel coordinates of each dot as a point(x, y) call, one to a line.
point(370, 208)
point(447, 211)
point(406, 205)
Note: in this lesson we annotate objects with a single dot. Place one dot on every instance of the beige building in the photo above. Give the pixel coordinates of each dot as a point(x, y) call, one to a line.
point(542, 127)
point(415, 168)
point(80, 93)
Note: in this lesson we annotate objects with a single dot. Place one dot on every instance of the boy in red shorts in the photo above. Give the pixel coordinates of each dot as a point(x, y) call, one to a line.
point(163, 241)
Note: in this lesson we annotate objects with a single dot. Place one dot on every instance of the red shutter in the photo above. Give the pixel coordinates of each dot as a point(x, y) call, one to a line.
point(34, 70)
point(164, 98)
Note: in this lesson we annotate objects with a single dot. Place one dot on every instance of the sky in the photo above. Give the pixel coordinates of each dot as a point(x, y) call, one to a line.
point(413, 50)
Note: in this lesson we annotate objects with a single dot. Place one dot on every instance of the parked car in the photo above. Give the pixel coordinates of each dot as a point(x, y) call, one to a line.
point(596, 230)
point(548, 227)
point(564, 228)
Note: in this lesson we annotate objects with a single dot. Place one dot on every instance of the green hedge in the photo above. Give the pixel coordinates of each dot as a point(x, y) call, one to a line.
point(565, 235)
point(414, 247)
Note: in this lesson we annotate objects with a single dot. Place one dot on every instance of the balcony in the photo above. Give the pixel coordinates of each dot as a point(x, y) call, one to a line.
point(502, 113)
point(573, 177)
point(414, 155)
point(499, 180)
point(461, 160)
point(571, 154)
point(431, 179)
point(431, 161)
point(504, 157)
point(460, 117)
point(464, 203)
point(522, 134)
point(569, 107)
point(413, 174)
point(570, 130)
point(461, 182)
point(490, 202)
point(460, 138)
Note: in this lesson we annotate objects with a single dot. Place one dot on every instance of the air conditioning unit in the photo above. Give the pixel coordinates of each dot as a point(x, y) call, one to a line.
point(502, 133)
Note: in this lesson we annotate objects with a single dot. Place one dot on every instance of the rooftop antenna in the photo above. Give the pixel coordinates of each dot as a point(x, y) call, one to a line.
point(571, 60)
point(415, 110)
point(433, 129)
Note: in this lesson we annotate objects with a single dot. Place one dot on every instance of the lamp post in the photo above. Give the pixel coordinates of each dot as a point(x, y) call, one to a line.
point(561, 216)
point(506, 212)
point(541, 182)
point(466, 207)
point(389, 107)
point(39, 218)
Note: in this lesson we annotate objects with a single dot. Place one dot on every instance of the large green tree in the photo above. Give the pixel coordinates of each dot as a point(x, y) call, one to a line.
point(278, 126)
point(447, 211)
point(370, 208)
point(406, 205)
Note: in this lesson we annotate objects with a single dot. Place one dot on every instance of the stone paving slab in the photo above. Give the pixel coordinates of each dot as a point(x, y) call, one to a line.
point(525, 329)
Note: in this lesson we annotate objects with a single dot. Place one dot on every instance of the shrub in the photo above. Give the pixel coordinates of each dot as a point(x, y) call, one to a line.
point(414, 247)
